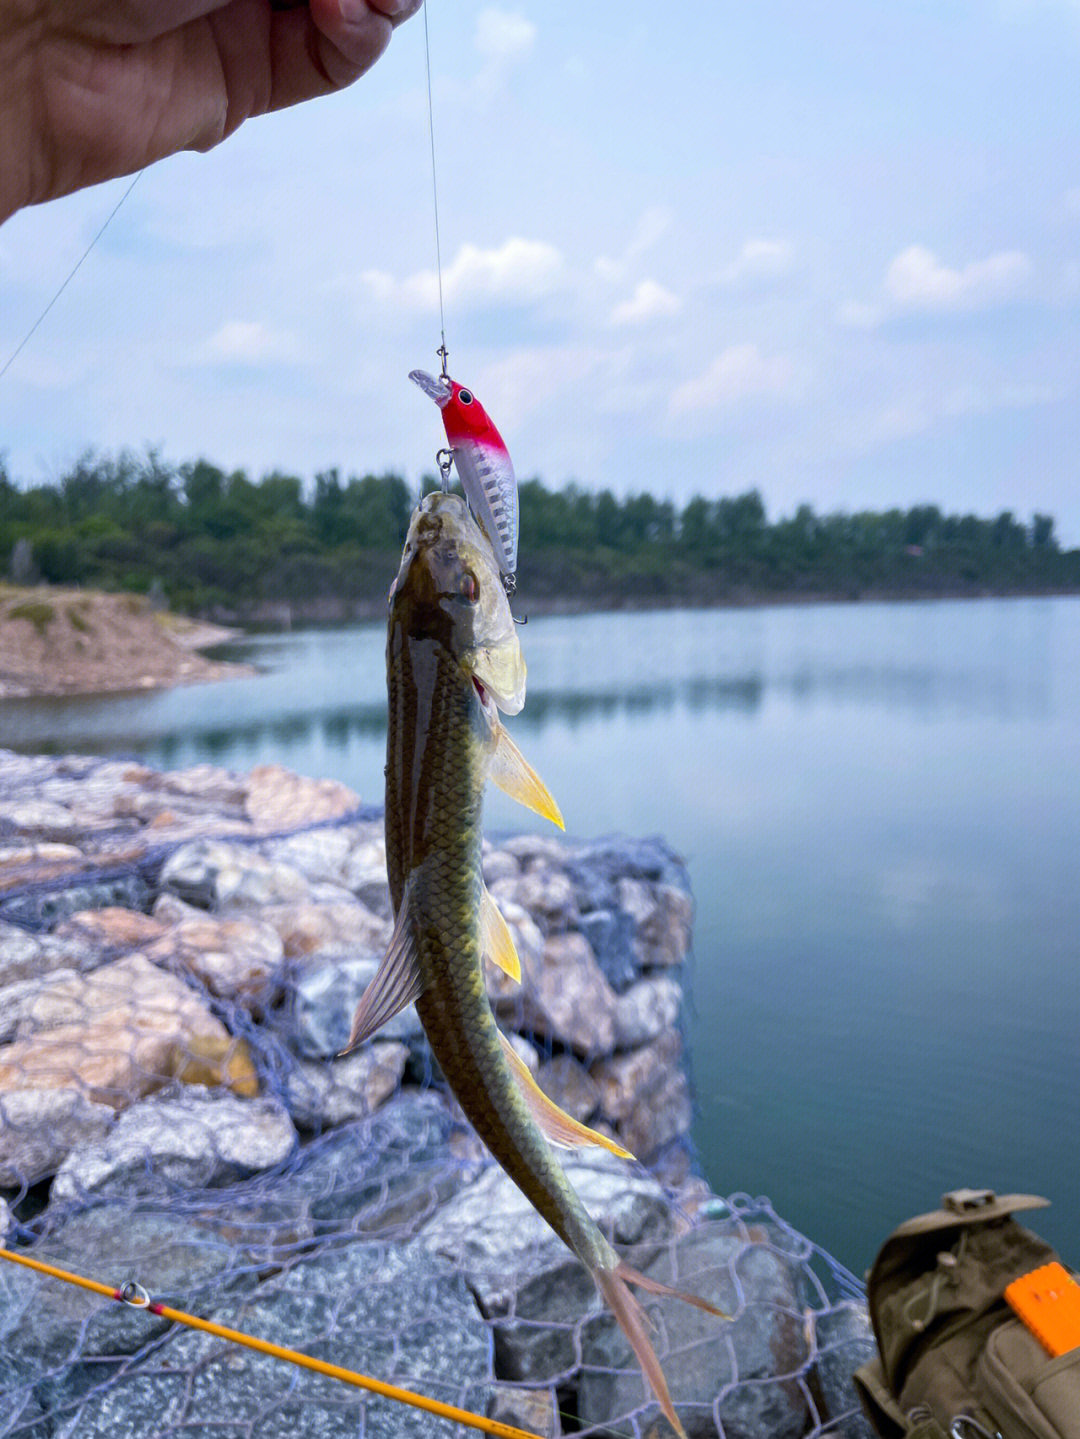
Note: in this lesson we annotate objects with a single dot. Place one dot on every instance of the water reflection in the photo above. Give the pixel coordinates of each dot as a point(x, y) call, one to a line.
point(878, 808)
point(329, 685)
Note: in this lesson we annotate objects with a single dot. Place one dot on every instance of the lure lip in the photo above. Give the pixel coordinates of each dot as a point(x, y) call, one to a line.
point(435, 387)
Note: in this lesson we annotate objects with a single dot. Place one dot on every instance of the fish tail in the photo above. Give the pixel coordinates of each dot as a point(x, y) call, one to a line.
point(614, 1285)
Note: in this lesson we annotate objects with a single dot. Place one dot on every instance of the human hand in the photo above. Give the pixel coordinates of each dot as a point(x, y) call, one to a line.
point(98, 88)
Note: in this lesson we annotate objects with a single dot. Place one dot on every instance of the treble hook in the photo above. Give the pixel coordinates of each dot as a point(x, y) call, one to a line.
point(445, 459)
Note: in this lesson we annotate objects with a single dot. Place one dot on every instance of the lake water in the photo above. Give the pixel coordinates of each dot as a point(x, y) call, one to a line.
point(880, 808)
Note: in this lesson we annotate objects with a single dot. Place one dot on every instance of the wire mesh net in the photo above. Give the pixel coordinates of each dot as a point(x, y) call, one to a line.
point(178, 968)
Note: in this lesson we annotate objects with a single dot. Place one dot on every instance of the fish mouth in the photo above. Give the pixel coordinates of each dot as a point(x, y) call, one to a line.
point(435, 387)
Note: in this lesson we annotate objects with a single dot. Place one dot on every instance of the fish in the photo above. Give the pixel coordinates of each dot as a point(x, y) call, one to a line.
point(453, 663)
point(483, 462)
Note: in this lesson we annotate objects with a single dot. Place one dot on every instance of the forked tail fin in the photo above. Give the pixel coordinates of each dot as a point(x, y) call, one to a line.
point(633, 1321)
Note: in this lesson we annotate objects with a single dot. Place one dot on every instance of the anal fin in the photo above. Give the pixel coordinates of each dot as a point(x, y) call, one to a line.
point(396, 982)
point(515, 776)
point(498, 942)
point(554, 1123)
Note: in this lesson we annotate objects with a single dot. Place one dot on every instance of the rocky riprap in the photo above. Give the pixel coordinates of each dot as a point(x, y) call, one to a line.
point(180, 956)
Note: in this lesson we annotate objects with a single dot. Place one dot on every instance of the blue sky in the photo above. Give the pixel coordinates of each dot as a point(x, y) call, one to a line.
point(828, 250)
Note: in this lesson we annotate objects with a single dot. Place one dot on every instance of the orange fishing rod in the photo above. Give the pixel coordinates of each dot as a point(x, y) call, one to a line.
point(136, 1296)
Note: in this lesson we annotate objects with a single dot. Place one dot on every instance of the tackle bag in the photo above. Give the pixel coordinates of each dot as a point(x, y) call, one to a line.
point(954, 1361)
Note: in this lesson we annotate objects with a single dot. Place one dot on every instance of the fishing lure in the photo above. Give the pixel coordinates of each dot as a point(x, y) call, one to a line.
point(483, 462)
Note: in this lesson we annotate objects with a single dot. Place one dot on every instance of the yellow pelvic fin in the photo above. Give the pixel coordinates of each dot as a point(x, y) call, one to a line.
point(554, 1123)
point(498, 942)
point(513, 773)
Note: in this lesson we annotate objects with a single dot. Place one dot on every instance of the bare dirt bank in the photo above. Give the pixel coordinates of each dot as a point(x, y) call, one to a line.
point(57, 641)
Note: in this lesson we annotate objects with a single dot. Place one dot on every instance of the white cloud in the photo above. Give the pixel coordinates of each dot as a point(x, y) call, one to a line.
point(918, 281)
point(650, 301)
point(518, 272)
point(760, 262)
point(247, 342)
point(738, 373)
point(651, 227)
point(503, 38)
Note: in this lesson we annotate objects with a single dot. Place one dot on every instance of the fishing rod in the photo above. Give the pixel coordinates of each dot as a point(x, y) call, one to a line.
point(136, 1297)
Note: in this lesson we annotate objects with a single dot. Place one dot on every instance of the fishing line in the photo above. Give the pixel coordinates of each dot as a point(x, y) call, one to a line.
point(442, 352)
point(134, 1295)
point(75, 270)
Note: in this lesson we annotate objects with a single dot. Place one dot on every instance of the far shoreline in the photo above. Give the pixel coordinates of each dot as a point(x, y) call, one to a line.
point(195, 649)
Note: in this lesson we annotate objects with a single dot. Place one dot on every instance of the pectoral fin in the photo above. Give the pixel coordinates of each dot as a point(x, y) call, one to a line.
point(512, 772)
point(554, 1123)
point(497, 939)
point(396, 983)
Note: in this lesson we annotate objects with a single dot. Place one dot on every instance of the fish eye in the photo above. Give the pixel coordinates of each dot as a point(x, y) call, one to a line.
point(465, 396)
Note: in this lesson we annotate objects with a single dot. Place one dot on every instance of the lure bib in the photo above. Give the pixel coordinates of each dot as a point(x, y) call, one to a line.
point(483, 462)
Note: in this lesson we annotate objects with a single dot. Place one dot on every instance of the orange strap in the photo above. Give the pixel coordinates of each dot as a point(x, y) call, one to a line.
point(133, 1295)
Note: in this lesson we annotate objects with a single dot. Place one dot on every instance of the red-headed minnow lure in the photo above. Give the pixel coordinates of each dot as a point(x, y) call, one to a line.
point(483, 462)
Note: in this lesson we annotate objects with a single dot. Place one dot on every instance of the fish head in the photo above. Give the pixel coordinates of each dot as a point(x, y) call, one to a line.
point(464, 417)
point(449, 588)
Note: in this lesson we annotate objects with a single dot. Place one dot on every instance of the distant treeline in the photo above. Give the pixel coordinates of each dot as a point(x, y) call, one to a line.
point(219, 543)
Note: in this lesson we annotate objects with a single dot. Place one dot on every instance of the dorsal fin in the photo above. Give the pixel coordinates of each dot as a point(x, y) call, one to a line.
point(515, 776)
point(554, 1123)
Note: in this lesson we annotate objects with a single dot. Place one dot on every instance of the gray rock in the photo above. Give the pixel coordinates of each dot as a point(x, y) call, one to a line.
point(323, 1003)
point(663, 916)
point(320, 1096)
point(751, 1361)
point(25, 956)
point(610, 933)
point(646, 1094)
point(238, 959)
point(170, 909)
point(595, 869)
point(316, 929)
point(532, 850)
point(195, 1138)
point(570, 1085)
point(646, 1010)
point(403, 1317)
point(40, 1127)
point(383, 1175)
point(46, 1325)
point(844, 1341)
point(526, 1052)
point(215, 875)
point(521, 1273)
point(349, 855)
point(546, 893)
point(18, 1001)
point(499, 864)
point(568, 999)
point(46, 908)
point(534, 1410)
point(20, 1408)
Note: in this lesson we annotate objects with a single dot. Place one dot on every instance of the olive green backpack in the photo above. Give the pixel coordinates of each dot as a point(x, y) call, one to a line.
point(953, 1360)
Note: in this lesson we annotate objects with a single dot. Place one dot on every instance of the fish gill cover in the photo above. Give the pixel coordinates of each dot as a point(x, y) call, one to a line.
point(180, 956)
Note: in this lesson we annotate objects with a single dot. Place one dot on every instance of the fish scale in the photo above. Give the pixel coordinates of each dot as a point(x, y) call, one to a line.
point(429, 694)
